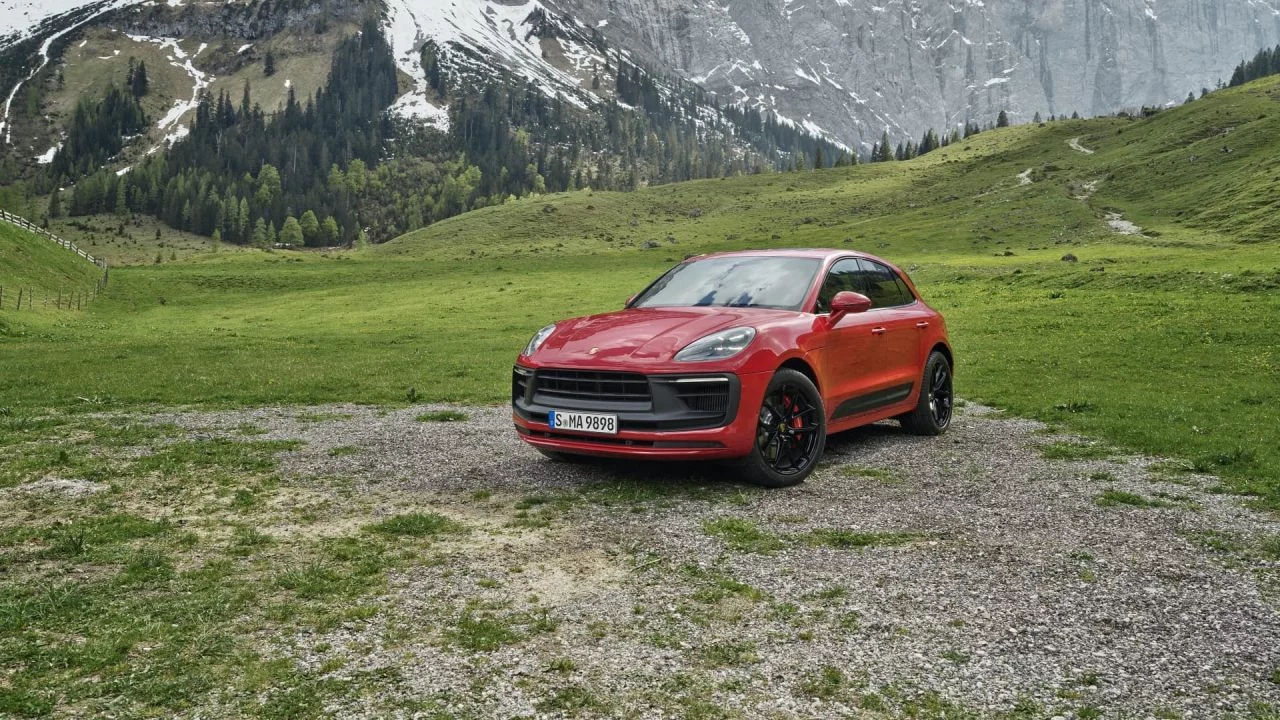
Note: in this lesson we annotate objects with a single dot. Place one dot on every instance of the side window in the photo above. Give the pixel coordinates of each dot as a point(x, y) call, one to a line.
point(882, 285)
point(908, 297)
point(844, 275)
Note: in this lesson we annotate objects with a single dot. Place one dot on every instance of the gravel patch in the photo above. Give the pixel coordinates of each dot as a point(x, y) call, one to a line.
point(973, 570)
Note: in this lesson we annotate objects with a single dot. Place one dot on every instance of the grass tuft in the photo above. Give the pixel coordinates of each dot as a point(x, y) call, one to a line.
point(742, 535)
point(443, 416)
point(416, 525)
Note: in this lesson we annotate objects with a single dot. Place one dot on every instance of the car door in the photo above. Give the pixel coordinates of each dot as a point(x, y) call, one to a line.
point(849, 357)
point(896, 323)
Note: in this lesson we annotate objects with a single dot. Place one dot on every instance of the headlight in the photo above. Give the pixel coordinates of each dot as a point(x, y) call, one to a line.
point(721, 345)
point(538, 338)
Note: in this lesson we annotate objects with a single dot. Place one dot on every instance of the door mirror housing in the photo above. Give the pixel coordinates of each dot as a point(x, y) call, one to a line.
point(847, 303)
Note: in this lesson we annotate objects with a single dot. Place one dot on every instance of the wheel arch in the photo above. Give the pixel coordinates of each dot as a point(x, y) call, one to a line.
point(799, 365)
point(946, 352)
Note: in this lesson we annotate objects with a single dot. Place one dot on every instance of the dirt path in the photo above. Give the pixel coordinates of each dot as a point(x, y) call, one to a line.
point(970, 569)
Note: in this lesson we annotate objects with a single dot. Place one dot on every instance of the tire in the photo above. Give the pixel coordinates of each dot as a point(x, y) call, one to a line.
point(935, 407)
point(791, 433)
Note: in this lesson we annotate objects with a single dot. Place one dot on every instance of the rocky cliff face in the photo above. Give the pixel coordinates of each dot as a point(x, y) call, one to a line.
point(858, 67)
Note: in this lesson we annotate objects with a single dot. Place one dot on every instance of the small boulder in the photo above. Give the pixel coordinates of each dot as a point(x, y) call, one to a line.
point(1070, 258)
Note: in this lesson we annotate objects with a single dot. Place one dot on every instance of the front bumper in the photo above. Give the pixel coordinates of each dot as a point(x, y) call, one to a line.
point(667, 425)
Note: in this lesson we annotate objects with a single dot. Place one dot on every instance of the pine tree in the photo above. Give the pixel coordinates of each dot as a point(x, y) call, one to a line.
point(291, 232)
point(215, 242)
point(269, 64)
point(55, 205)
point(310, 226)
point(138, 83)
point(260, 233)
point(884, 153)
point(1036, 119)
point(1002, 120)
point(819, 162)
point(1191, 97)
point(330, 232)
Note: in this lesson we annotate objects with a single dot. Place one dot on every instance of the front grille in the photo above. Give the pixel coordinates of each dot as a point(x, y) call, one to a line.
point(709, 396)
point(519, 381)
point(589, 385)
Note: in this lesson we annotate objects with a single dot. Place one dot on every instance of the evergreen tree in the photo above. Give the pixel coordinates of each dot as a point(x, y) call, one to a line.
point(260, 233)
point(291, 232)
point(883, 153)
point(1002, 120)
point(819, 162)
point(310, 226)
point(55, 205)
point(215, 242)
point(269, 64)
point(330, 232)
point(137, 78)
point(1036, 119)
point(1191, 97)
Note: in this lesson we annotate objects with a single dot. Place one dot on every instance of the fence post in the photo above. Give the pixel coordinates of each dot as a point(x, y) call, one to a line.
point(31, 299)
point(19, 297)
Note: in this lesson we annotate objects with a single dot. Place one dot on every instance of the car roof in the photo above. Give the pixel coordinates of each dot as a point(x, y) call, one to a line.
point(816, 253)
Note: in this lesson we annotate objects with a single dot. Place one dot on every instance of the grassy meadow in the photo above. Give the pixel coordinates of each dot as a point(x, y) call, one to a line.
point(1163, 342)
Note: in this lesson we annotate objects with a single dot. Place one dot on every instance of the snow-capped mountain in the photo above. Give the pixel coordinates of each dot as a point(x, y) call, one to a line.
point(846, 70)
point(857, 67)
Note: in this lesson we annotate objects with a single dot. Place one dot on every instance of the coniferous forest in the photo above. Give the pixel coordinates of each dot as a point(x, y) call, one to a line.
point(335, 167)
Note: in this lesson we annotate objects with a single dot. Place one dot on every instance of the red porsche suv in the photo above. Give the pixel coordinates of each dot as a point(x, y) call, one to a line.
point(751, 357)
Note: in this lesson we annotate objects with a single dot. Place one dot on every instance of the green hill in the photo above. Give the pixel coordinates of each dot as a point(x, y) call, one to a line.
point(29, 261)
point(1161, 341)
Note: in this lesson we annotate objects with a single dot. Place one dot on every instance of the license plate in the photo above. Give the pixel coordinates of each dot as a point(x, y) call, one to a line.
point(583, 422)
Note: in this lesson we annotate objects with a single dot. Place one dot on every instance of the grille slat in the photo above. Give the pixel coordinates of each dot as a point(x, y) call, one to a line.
point(592, 385)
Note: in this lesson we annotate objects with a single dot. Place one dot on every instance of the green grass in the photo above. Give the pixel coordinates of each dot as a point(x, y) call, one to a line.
point(416, 525)
point(1113, 498)
point(849, 540)
point(443, 416)
point(30, 262)
point(1152, 343)
point(743, 535)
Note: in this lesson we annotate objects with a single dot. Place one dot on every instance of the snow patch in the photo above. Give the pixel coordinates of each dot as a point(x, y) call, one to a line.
point(244, 47)
point(47, 157)
point(1075, 145)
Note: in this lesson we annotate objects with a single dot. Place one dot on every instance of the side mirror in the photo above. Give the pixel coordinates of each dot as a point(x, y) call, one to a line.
point(847, 303)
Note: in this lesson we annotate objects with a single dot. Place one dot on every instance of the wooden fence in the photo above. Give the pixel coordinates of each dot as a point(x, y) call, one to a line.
point(24, 298)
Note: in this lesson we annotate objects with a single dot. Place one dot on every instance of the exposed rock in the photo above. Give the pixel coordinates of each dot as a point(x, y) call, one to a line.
point(857, 67)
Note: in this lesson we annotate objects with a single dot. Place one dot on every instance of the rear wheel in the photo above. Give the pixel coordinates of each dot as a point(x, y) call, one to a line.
point(791, 432)
point(932, 415)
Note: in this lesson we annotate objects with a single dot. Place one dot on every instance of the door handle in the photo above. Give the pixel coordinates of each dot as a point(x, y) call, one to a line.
point(922, 324)
point(877, 331)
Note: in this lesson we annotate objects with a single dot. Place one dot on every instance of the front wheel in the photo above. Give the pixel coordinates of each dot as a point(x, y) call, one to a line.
point(791, 432)
point(932, 415)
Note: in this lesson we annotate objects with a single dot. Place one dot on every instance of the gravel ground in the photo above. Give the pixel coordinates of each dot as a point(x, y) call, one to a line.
point(1007, 585)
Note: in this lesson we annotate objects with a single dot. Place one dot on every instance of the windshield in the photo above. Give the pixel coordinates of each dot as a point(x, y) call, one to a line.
point(780, 283)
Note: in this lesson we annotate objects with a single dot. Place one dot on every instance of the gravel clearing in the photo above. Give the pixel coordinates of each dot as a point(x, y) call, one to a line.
point(972, 572)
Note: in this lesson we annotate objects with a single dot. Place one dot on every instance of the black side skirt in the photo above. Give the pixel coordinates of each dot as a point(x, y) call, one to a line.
point(873, 401)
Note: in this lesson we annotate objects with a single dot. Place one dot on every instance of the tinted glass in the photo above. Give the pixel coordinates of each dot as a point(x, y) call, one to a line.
point(907, 296)
point(844, 275)
point(882, 285)
point(769, 282)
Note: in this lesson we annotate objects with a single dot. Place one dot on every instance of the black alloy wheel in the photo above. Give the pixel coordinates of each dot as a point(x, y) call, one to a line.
point(791, 432)
point(933, 411)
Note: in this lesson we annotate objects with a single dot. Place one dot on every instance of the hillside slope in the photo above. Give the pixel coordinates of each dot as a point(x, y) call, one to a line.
point(1159, 340)
point(29, 261)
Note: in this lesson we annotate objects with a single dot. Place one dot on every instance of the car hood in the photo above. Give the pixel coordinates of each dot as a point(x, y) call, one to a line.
point(642, 334)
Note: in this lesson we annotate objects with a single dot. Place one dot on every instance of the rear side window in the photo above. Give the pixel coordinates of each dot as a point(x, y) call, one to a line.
point(844, 275)
point(883, 285)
